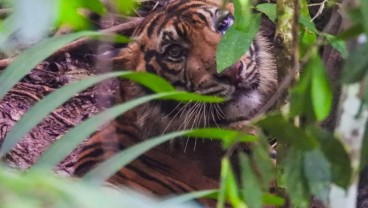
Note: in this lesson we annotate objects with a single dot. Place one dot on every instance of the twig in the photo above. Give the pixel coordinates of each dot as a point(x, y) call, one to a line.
point(118, 28)
point(320, 9)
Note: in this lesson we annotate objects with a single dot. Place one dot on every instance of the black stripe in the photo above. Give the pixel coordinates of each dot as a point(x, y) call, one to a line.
point(203, 18)
point(150, 68)
point(121, 175)
point(176, 13)
point(181, 31)
point(127, 132)
point(93, 154)
point(208, 11)
point(84, 167)
point(153, 25)
point(154, 164)
point(151, 178)
point(180, 187)
point(179, 83)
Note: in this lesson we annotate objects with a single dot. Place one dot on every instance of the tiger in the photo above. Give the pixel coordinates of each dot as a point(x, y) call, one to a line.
point(178, 42)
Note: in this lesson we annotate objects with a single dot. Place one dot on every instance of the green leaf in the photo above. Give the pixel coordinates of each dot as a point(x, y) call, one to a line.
point(233, 45)
point(180, 199)
point(125, 6)
point(76, 135)
point(269, 9)
point(351, 32)
point(356, 65)
point(190, 97)
point(251, 189)
point(7, 27)
point(306, 22)
point(228, 137)
point(336, 154)
point(151, 81)
point(45, 106)
point(277, 126)
point(295, 179)
point(33, 56)
point(272, 200)
point(364, 13)
point(300, 97)
point(229, 190)
point(237, 40)
point(321, 90)
point(69, 12)
point(318, 173)
point(338, 44)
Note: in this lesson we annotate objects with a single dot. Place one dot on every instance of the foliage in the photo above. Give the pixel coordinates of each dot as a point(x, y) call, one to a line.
point(310, 161)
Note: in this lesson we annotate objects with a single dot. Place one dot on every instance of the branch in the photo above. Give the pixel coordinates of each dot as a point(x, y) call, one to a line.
point(118, 28)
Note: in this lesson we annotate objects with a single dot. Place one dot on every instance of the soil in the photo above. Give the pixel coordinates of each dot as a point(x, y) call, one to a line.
point(60, 69)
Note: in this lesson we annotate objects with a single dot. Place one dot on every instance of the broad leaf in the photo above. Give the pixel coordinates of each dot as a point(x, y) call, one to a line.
point(234, 44)
point(336, 154)
point(356, 65)
point(277, 126)
point(295, 180)
point(320, 88)
point(337, 44)
point(300, 98)
point(269, 9)
point(364, 13)
point(318, 174)
point(237, 40)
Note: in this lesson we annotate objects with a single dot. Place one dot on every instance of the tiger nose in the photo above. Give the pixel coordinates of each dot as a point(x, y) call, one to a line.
point(232, 73)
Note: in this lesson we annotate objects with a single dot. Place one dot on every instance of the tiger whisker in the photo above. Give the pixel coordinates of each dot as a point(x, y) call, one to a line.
point(169, 114)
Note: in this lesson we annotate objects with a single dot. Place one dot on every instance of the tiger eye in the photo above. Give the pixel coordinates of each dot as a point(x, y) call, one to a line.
point(225, 23)
point(175, 51)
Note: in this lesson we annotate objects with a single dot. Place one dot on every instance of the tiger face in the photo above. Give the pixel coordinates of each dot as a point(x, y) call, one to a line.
point(179, 44)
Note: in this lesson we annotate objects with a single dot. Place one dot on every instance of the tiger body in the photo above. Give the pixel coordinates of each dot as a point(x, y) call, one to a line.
point(179, 44)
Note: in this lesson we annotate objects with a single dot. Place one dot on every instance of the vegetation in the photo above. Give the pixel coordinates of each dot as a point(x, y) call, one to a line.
point(311, 161)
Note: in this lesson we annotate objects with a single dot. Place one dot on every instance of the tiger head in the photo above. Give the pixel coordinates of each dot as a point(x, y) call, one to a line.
point(179, 44)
